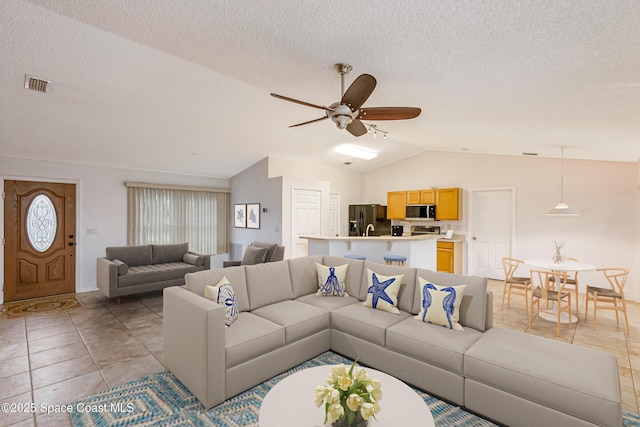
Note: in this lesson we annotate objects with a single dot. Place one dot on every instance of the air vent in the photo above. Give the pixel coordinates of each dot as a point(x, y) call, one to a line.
point(36, 84)
point(529, 154)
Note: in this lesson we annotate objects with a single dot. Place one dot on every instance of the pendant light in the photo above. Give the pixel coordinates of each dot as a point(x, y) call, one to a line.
point(562, 209)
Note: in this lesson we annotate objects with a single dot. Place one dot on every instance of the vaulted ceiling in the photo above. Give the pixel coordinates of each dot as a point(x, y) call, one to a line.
point(184, 86)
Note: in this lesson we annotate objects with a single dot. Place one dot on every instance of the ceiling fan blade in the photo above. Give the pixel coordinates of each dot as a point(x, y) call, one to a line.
point(356, 128)
point(275, 95)
point(310, 121)
point(389, 113)
point(359, 91)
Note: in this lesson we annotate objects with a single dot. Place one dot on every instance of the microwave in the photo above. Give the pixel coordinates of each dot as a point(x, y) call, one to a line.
point(421, 212)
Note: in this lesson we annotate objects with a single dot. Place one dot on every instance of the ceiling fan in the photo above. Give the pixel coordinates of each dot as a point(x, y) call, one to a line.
point(348, 112)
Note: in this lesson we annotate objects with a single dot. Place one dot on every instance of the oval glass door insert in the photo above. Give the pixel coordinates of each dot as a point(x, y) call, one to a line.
point(41, 223)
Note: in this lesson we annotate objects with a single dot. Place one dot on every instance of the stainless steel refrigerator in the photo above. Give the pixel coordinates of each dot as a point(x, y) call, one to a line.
point(360, 216)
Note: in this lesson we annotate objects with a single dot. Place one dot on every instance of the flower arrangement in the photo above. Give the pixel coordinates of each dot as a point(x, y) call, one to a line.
point(351, 397)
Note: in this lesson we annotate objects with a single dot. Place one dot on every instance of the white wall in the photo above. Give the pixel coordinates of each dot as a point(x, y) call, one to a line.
point(350, 185)
point(253, 185)
point(101, 203)
point(606, 192)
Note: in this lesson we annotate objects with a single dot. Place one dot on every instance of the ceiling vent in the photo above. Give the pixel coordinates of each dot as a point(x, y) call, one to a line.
point(34, 83)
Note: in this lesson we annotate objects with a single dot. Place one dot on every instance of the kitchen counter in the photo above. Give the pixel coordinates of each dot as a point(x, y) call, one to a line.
point(419, 250)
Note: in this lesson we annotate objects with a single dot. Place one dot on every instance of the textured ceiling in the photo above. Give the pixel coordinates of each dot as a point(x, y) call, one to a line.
point(184, 86)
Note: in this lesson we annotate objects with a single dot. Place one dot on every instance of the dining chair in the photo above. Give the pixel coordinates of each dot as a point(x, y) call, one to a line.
point(515, 285)
point(572, 283)
point(608, 298)
point(545, 290)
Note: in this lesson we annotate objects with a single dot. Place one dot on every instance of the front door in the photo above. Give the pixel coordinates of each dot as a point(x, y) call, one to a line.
point(40, 231)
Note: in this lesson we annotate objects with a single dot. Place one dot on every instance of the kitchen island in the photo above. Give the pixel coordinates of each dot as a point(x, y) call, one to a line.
point(421, 251)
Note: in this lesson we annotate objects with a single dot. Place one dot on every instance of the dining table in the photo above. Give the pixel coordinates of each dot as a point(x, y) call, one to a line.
point(565, 265)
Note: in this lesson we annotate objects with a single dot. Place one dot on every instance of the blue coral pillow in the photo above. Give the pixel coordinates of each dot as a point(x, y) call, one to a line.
point(223, 294)
point(441, 304)
point(382, 293)
point(331, 280)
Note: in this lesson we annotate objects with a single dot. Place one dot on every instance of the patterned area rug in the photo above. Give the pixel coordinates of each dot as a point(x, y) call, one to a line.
point(160, 400)
point(41, 305)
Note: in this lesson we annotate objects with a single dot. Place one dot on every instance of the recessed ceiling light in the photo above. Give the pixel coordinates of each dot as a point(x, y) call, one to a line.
point(354, 151)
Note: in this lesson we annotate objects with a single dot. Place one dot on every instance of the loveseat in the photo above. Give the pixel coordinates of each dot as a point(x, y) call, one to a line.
point(511, 377)
point(128, 270)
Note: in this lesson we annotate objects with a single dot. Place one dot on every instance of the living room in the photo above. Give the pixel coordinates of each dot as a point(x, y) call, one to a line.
point(184, 138)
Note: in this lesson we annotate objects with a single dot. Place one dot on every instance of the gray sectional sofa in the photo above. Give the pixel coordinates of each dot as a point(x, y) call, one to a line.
point(511, 377)
point(128, 270)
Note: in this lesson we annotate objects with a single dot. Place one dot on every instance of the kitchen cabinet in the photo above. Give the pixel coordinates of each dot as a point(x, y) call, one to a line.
point(449, 257)
point(427, 197)
point(413, 197)
point(421, 197)
point(447, 204)
point(396, 203)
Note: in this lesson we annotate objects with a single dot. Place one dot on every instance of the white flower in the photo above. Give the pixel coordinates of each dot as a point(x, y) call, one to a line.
point(361, 375)
point(344, 382)
point(334, 412)
point(367, 410)
point(320, 395)
point(333, 395)
point(337, 372)
point(354, 401)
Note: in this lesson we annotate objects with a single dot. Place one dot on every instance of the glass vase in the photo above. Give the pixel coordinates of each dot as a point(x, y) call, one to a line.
point(358, 421)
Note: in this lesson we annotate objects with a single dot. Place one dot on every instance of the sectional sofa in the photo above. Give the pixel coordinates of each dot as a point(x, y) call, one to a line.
point(511, 377)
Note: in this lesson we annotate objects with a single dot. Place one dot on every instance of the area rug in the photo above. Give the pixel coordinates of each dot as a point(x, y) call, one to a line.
point(161, 400)
point(40, 305)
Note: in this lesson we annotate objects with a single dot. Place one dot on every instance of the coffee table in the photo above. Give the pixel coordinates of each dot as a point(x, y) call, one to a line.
point(290, 403)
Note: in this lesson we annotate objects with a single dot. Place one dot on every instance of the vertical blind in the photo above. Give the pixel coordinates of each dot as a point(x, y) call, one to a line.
point(159, 215)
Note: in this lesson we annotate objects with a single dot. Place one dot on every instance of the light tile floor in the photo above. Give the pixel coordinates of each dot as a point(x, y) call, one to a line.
point(57, 357)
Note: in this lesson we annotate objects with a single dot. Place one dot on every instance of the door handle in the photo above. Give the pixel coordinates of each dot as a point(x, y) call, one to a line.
point(473, 238)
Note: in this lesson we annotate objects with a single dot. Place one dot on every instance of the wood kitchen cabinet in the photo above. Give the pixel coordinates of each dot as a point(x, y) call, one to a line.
point(396, 203)
point(427, 197)
point(413, 197)
point(449, 257)
point(448, 204)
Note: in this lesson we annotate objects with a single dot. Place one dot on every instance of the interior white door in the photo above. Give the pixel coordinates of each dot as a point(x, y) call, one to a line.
point(334, 214)
point(306, 219)
point(492, 230)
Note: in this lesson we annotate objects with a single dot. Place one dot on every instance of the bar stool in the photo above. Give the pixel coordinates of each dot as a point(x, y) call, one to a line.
point(390, 259)
point(356, 256)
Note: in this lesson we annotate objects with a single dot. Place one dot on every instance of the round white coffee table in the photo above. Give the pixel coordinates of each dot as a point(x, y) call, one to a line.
point(290, 403)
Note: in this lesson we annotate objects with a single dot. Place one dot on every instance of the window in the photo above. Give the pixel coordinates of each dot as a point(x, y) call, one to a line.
point(166, 214)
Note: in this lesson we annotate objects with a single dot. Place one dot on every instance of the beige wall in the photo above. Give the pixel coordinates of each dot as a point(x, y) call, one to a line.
point(606, 192)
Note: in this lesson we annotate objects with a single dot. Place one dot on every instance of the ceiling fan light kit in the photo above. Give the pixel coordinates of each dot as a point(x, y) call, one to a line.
point(347, 113)
point(562, 209)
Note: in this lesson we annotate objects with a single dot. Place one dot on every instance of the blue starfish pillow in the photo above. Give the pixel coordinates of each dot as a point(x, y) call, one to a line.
point(382, 293)
point(331, 280)
point(441, 304)
point(223, 294)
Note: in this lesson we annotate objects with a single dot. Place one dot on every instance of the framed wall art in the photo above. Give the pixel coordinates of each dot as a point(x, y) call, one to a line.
point(253, 215)
point(240, 216)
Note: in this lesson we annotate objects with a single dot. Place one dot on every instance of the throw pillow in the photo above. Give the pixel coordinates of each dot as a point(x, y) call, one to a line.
point(223, 294)
point(253, 255)
point(382, 293)
point(193, 259)
point(331, 280)
point(441, 304)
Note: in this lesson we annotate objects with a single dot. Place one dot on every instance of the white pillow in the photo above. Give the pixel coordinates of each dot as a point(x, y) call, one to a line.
point(223, 294)
point(382, 293)
point(331, 280)
point(441, 304)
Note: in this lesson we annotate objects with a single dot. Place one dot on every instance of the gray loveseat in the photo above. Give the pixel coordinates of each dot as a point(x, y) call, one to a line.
point(128, 270)
point(511, 377)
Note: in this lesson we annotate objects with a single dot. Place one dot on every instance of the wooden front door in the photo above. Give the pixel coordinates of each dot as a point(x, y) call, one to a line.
point(40, 231)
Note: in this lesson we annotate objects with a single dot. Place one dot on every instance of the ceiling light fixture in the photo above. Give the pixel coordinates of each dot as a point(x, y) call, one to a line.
point(562, 209)
point(355, 151)
point(374, 129)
